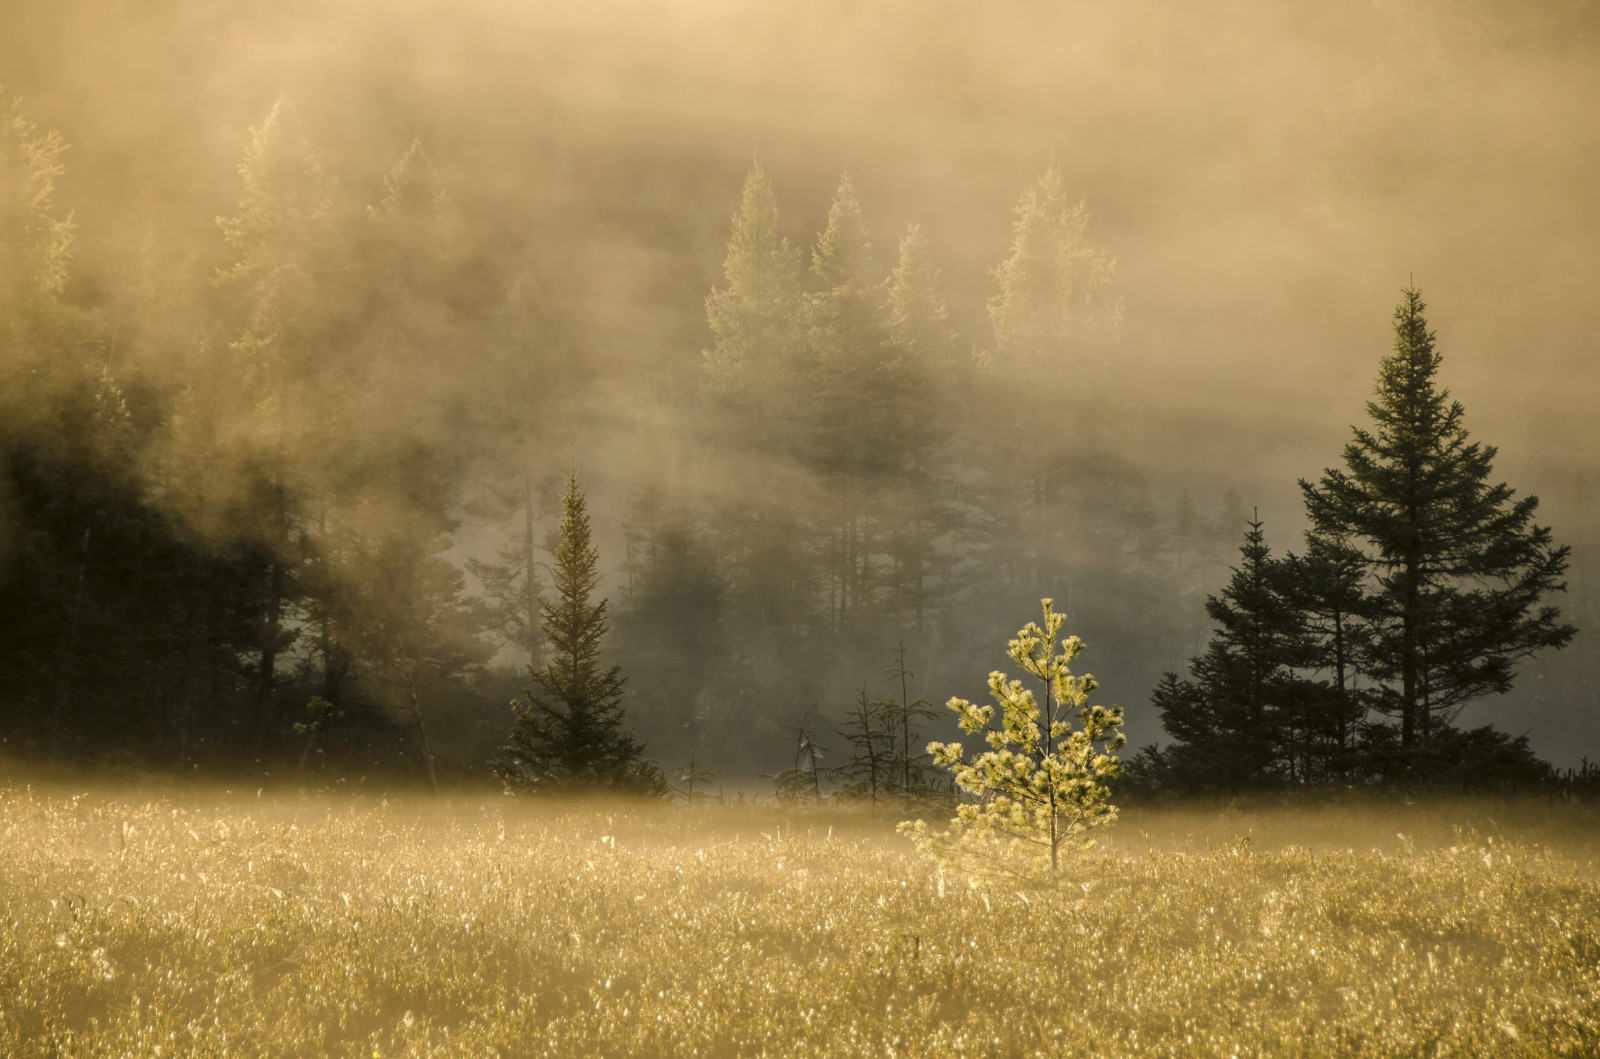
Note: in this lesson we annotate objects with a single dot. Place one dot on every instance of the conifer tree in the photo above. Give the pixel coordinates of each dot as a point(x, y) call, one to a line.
point(671, 625)
point(1053, 317)
point(1457, 570)
point(1325, 588)
point(531, 353)
point(279, 235)
point(756, 391)
point(904, 717)
point(35, 249)
point(846, 442)
point(866, 775)
point(417, 627)
point(570, 731)
point(920, 402)
point(1053, 306)
point(802, 780)
point(1229, 718)
point(1047, 794)
point(754, 316)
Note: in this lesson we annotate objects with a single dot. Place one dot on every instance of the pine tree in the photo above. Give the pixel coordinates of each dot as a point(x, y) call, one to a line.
point(1457, 569)
point(754, 318)
point(35, 249)
point(570, 729)
point(755, 396)
point(1049, 793)
point(920, 403)
point(532, 357)
point(904, 717)
point(852, 376)
point(1230, 720)
point(279, 235)
point(1325, 588)
point(417, 628)
point(802, 780)
point(1053, 318)
point(1053, 311)
point(670, 627)
point(869, 771)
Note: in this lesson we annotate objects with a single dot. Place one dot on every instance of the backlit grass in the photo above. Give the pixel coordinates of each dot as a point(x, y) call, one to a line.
point(232, 924)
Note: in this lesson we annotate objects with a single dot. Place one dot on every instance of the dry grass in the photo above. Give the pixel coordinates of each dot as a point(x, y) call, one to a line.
point(297, 926)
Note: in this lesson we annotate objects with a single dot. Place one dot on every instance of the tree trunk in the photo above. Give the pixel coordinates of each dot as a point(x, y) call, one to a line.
point(422, 732)
point(528, 562)
point(58, 713)
point(269, 656)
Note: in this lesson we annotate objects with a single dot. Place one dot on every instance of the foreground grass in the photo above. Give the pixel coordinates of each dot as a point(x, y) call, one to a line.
point(298, 926)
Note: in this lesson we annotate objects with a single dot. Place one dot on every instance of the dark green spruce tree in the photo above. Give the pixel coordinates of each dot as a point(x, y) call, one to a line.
point(1457, 569)
point(570, 731)
point(1230, 718)
point(1324, 586)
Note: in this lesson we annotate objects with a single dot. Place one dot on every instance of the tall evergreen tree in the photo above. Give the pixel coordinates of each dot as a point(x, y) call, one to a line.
point(1457, 568)
point(533, 356)
point(670, 627)
point(853, 375)
point(754, 317)
point(1053, 318)
point(280, 235)
point(1053, 311)
point(755, 395)
point(920, 405)
point(35, 250)
point(570, 729)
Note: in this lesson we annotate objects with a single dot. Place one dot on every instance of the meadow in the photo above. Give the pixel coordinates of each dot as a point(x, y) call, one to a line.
point(181, 921)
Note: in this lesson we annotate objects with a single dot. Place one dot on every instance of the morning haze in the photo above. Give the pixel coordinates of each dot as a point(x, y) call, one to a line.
point(572, 529)
point(1264, 183)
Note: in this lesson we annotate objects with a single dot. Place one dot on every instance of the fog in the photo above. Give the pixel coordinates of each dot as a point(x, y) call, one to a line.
point(1266, 178)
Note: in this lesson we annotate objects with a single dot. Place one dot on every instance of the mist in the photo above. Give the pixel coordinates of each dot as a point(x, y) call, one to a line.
point(1260, 184)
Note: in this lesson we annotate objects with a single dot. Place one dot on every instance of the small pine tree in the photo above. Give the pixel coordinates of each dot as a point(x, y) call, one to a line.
point(569, 731)
point(870, 771)
point(695, 777)
point(903, 723)
point(803, 780)
point(1049, 792)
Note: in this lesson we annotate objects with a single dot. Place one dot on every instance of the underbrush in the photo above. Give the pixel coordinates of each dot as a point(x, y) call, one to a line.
point(219, 924)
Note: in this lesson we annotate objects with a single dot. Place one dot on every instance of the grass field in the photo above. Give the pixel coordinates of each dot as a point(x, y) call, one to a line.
point(238, 924)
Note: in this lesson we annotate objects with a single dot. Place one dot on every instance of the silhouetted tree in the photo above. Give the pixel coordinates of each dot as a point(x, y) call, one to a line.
point(1325, 588)
point(802, 779)
point(570, 729)
point(1229, 720)
point(1456, 568)
point(868, 771)
point(903, 717)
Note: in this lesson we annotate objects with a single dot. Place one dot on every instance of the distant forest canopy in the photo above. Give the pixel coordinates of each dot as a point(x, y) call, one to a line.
point(242, 528)
point(277, 481)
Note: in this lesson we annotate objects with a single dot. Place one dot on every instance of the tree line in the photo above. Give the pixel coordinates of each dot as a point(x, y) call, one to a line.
point(245, 508)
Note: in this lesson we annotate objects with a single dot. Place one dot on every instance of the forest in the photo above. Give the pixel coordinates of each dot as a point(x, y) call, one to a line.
point(799, 528)
point(285, 432)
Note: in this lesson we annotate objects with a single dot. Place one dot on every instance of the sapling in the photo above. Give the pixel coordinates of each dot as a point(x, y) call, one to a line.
point(1041, 787)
